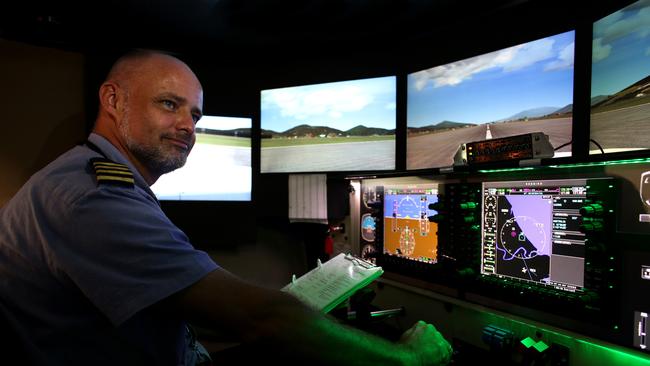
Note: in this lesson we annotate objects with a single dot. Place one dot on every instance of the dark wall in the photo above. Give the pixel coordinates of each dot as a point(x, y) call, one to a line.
point(42, 109)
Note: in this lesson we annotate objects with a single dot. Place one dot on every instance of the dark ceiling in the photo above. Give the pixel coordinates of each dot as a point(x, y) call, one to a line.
point(290, 31)
point(239, 23)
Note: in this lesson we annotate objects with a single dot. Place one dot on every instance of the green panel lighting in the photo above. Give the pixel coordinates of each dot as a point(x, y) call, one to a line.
point(528, 342)
point(540, 346)
point(583, 351)
point(576, 165)
point(604, 163)
point(613, 356)
point(505, 170)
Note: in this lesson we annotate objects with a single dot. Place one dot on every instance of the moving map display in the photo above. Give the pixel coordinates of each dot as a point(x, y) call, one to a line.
point(408, 233)
point(530, 231)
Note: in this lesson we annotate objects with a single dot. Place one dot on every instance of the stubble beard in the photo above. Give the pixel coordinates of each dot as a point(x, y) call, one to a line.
point(154, 157)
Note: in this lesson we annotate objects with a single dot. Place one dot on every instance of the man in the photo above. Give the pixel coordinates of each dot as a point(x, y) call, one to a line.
point(93, 272)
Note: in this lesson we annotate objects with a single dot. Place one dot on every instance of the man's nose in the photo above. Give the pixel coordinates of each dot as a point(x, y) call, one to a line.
point(187, 124)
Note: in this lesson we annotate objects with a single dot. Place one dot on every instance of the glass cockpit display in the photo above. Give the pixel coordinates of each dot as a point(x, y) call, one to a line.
point(531, 232)
point(408, 233)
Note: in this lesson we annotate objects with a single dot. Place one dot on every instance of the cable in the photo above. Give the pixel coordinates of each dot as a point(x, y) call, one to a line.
point(563, 145)
point(591, 140)
point(597, 144)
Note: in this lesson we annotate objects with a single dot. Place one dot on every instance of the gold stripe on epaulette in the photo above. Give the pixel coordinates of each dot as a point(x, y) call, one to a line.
point(106, 178)
point(109, 172)
point(110, 165)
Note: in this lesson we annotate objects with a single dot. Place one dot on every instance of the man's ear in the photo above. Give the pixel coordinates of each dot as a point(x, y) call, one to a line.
point(109, 98)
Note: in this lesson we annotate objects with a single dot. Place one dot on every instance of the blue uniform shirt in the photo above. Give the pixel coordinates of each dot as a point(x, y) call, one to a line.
point(81, 263)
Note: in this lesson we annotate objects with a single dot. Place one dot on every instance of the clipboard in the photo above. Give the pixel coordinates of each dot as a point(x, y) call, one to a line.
point(330, 283)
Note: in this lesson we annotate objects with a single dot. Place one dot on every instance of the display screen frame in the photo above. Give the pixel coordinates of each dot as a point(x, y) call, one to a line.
point(410, 203)
point(340, 126)
point(219, 167)
point(526, 241)
point(619, 97)
point(520, 89)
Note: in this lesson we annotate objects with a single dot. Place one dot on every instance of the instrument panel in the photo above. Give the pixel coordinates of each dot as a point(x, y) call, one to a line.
point(561, 245)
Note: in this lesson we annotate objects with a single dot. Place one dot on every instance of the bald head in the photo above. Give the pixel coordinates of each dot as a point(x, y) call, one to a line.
point(149, 105)
point(138, 66)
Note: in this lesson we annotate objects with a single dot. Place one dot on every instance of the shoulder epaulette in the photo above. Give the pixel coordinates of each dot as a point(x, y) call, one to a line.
point(110, 172)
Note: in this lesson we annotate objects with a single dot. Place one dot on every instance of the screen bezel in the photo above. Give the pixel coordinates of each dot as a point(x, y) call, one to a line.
point(560, 145)
point(404, 189)
point(594, 149)
point(239, 125)
point(579, 183)
point(358, 170)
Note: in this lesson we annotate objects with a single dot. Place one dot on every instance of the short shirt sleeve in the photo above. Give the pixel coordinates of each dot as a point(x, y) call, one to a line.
point(124, 254)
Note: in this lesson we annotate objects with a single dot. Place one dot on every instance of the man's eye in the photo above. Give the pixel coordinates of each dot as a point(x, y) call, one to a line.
point(196, 118)
point(169, 104)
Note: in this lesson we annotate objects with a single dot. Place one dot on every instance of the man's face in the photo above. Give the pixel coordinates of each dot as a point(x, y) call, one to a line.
point(159, 119)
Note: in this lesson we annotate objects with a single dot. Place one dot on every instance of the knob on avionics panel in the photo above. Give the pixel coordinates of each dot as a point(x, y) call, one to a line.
point(459, 230)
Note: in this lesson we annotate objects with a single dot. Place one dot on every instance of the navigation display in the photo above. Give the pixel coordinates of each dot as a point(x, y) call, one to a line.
point(408, 233)
point(531, 232)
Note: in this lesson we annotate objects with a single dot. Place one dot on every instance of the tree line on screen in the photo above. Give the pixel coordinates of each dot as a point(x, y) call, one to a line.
point(323, 131)
point(237, 132)
point(530, 114)
point(636, 93)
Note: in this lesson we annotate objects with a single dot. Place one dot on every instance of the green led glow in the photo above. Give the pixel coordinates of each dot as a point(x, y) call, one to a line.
point(617, 357)
point(576, 165)
point(602, 163)
point(505, 170)
point(592, 353)
point(528, 342)
point(540, 346)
